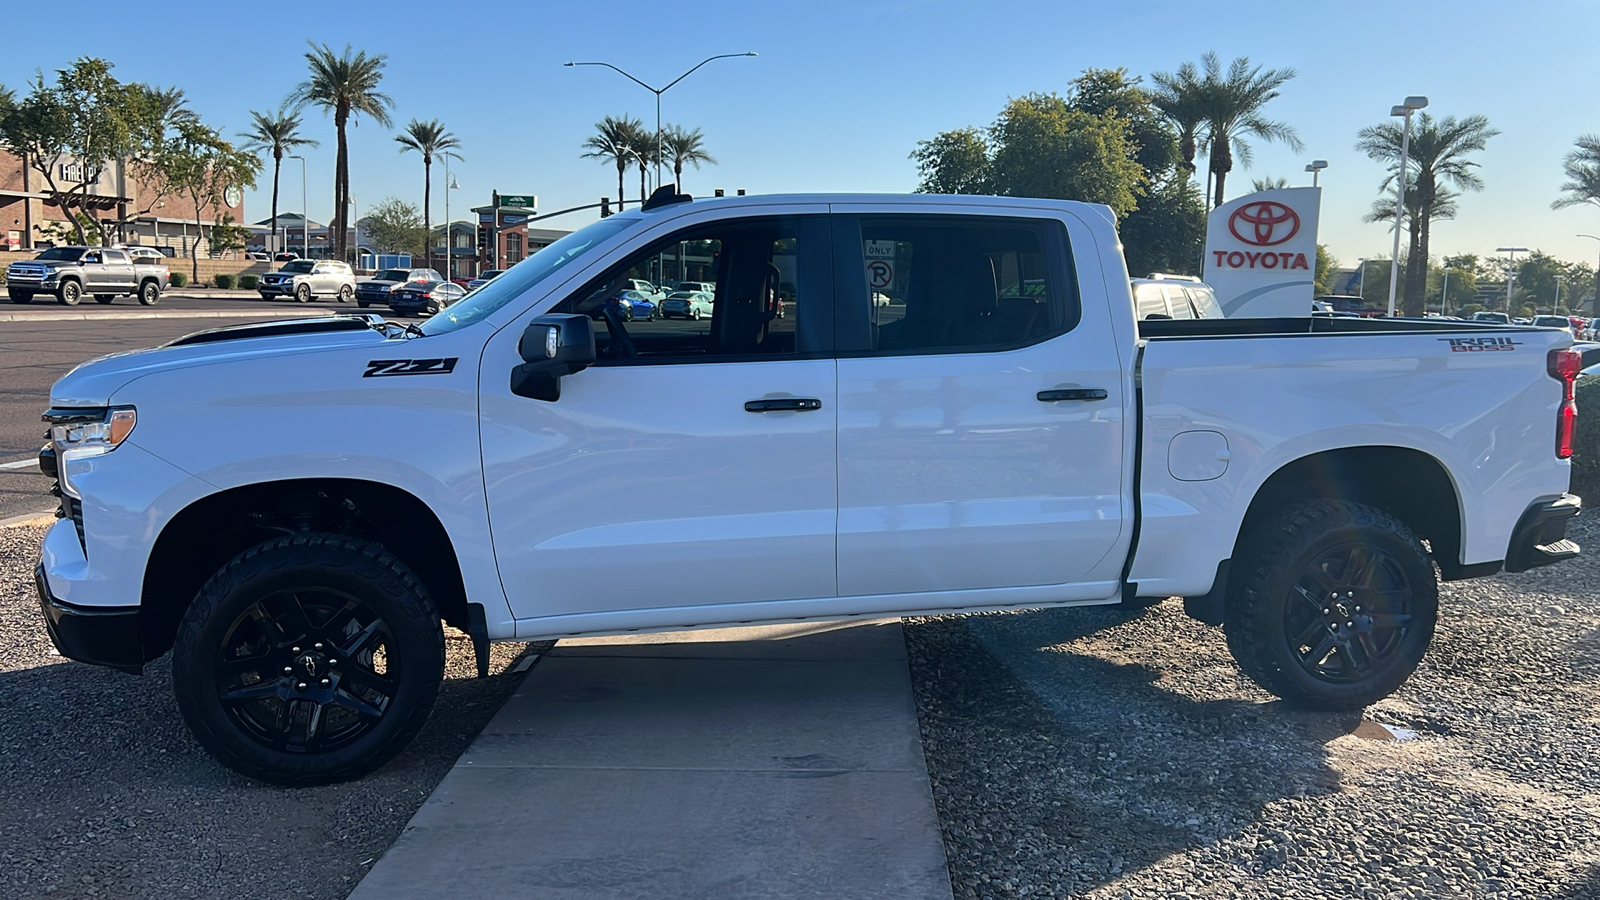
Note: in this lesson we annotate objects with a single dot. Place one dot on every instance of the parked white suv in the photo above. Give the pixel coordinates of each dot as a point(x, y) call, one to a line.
point(295, 508)
point(309, 279)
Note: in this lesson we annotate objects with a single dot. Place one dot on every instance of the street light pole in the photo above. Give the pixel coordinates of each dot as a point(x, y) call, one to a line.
point(659, 91)
point(1315, 168)
point(305, 217)
point(1411, 105)
point(1444, 293)
point(449, 244)
point(1361, 278)
point(1511, 270)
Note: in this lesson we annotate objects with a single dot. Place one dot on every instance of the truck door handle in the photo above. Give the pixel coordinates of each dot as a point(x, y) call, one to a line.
point(782, 404)
point(1072, 394)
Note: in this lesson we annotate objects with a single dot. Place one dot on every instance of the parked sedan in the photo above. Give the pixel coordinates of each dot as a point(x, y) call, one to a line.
point(375, 290)
point(686, 305)
point(424, 297)
point(483, 279)
point(642, 307)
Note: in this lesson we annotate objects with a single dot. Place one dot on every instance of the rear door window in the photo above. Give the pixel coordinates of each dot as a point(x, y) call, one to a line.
point(1149, 300)
point(1179, 301)
point(1205, 303)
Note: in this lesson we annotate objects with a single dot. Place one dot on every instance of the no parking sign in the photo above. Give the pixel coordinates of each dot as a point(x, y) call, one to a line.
point(880, 274)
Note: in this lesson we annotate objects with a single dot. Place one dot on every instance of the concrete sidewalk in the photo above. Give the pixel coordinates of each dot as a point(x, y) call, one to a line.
point(775, 761)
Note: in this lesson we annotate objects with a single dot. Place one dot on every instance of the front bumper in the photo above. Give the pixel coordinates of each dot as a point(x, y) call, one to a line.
point(105, 636)
point(1541, 535)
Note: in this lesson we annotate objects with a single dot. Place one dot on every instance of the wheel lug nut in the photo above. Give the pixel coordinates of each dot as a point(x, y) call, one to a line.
point(294, 649)
point(1349, 624)
point(333, 662)
point(301, 686)
point(326, 682)
point(317, 646)
point(288, 670)
point(1327, 612)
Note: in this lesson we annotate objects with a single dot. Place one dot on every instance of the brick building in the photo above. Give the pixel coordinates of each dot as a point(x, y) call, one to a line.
point(129, 210)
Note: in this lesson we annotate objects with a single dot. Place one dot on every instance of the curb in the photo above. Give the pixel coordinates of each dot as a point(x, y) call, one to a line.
point(165, 314)
point(26, 519)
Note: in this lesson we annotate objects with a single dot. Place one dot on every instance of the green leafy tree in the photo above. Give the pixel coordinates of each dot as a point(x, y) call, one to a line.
point(681, 146)
point(1181, 97)
point(614, 141)
point(1234, 100)
point(276, 134)
point(429, 139)
point(1582, 168)
point(1462, 287)
point(81, 226)
point(1167, 233)
point(1044, 148)
point(202, 166)
point(1326, 263)
point(954, 162)
point(1438, 161)
point(345, 85)
point(1112, 92)
point(394, 226)
point(78, 125)
point(227, 236)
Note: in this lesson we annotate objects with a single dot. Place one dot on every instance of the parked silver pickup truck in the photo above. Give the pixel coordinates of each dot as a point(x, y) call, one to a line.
point(68, 273)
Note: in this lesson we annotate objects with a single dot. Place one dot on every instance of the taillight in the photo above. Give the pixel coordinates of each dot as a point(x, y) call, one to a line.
point(1564, 366)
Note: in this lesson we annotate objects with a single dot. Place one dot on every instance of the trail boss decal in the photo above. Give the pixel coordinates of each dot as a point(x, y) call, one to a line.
point(383, 368)
point(1480, 344)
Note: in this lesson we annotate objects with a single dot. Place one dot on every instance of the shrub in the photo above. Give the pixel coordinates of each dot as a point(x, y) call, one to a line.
point(1586, 450)
point(179, 279)
point(226, 281)
point(249, 282)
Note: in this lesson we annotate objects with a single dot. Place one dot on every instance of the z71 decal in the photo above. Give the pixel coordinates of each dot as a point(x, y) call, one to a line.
point(1480, 344)
point(383, 368)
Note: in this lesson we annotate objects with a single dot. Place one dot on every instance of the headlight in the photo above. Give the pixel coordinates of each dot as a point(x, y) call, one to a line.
point(90, 432)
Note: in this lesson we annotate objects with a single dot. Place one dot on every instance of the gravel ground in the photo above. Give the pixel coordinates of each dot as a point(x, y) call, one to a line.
point(104, 794)
point(1107, 753)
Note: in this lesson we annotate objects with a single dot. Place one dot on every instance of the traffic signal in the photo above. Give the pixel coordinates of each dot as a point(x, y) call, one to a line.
point(605, 207)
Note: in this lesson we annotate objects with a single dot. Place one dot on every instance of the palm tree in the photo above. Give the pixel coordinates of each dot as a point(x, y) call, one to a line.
point(1582, 166)
point(171, 107)
point(1438, 157)
point(346, 85)
point(614, 141)
point(644, 153)
point(1181, 97)
point(429, 139)
point(1233, 104)
point(1268, 184)
point(683, 146)
point(277, 134)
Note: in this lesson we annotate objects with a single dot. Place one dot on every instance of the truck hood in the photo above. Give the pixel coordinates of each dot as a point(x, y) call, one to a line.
point(93, 383)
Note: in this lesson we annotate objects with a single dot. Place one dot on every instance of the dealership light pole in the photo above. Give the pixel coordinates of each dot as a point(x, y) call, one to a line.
point(1361, 277)
point(1511, 270)
point(1405, 109)
point(1559, 279)
point(449, 245)
point(659, 91)
point(1315, 168)
point(1444, 292)
point(1594, 305)
point(305, 219)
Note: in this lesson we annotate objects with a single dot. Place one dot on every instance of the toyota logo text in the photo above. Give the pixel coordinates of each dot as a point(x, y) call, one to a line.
point(1264, 223)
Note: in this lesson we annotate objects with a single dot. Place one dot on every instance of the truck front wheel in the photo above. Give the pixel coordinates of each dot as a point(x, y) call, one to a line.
point(69, 293)
point(21, 296)
point(308, 659)
point(1332, 605)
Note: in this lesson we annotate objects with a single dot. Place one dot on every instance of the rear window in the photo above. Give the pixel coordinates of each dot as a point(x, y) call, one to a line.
point(392, 275)
point(1205, 303)
point(1148, 298)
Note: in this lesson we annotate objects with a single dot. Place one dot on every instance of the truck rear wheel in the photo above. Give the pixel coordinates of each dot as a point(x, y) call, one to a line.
point(149, 294)
point(308, 659)
point(1332, 606)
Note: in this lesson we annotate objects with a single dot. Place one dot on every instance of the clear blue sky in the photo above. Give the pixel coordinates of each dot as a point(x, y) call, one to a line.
point(841, 92)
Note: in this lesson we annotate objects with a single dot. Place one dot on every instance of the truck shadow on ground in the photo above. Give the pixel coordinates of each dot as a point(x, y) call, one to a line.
point(1052, 748)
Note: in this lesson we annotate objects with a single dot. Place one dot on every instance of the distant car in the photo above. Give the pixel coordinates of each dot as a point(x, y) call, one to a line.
point(483, 279)
point(1349, 304)
point(704, 287)
point(424, 297)
point(147, 255)
point(686, 305)
point(1561, 322)
point(258, 256)
point(307, 279)
point(285, 256)
point(1174, 297)
point(375, 290)
point(650, 291)
point(1494, 318)
point(642, 307)
point(622, 304)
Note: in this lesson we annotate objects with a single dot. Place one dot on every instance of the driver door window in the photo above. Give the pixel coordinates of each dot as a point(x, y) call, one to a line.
point(772, 299)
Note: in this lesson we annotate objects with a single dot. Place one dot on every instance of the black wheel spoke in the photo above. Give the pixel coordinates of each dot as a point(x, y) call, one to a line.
point(366, 677)
point(1359, 653)
point(1387, 621)
point(1317, 627)
point(1321, 650)
point(346, 700)
point(236, 666)
point(1310, 597)
point(362, 640)
point(250, 693)
point(292, 619)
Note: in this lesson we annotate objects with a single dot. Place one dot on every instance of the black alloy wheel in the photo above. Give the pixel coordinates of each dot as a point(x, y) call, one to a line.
point(149, 294)
point(1332, 605)
point(308, 659)
point(69, 293)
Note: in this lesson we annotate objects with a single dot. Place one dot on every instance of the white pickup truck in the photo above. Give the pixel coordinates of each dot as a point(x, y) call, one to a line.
point(293, 508)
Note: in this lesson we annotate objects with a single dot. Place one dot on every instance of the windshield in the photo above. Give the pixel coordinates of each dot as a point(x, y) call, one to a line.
point(299, 266)
point(524, 275)
point(64, 253)
point(392, 275)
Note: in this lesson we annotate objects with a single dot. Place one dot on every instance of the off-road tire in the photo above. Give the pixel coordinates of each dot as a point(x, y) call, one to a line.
point(304, 564)
point(1290, 549)
point(363, 304)
point(104, 299)
point(346, 293)
point(21, 296)
point(302, 293)
point(69, 293)
point(149, 294)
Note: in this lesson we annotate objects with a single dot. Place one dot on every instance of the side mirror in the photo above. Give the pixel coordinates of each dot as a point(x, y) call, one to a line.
point(551, 347)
